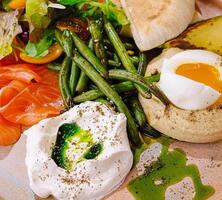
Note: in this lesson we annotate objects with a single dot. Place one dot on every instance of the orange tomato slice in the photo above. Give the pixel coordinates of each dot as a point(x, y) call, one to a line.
point(55, 51)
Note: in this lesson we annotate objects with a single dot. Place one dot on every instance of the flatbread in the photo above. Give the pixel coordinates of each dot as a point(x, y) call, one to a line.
point(155, 21)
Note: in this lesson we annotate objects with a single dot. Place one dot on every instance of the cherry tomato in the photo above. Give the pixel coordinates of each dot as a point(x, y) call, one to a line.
point(17, 4)
point(55, 51)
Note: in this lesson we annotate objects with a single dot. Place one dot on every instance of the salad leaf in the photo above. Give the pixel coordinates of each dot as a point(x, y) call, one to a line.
point(71, 2)
point(109, 9)
point(41, 48)
point(36, 13)
point(9, 28)
point(40, 21)
point(112, 12)
point(4, 5)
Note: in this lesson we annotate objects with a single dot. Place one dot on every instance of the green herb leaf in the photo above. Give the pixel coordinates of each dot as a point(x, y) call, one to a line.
point(41, 48)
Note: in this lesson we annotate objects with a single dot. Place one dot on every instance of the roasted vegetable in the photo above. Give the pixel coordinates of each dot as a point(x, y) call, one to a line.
point(74, 25)
point(202, 35)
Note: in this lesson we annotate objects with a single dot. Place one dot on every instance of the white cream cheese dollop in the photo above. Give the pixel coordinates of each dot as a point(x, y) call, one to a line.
point(88, 179)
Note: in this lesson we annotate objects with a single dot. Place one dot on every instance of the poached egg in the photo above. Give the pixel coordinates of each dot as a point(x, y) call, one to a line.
point(192, 79)
point(76, 173)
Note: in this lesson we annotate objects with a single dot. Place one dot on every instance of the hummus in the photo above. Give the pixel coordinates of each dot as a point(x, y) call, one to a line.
point(201, 126)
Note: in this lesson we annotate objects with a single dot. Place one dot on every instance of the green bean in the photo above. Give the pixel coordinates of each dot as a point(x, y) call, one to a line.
point(140, 81)
point(74, 77)
point(114, 63)
point(54, 66)
point(83, 79)
point(127, 45)
point(65, 41)
point(140, 117)
point(122, 53)
point(96, 93)
point(143, 62)
point(119, 47)
point(64, 81)
point(137, 111)
point(89, 55)
point(116, 58)
point(123, 75)
point(96, 32)
point(88, 96)
point(110, 93)
point(135, 60)
point(120, 88)
point(82, 83)
point(104, 101)
point(153, 78)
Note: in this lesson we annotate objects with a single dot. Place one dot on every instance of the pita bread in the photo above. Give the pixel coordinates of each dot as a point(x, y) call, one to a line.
point(155, 21)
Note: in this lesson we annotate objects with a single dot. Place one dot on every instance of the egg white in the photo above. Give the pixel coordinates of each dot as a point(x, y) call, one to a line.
point(186, 93)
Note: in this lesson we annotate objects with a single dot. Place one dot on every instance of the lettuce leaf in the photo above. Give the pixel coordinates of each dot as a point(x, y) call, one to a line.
point(40, 48)
point(36, 13)
point(9, 28)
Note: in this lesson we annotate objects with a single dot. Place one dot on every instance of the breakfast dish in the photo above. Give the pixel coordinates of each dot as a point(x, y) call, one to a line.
point(198, 120)
point(110, 99)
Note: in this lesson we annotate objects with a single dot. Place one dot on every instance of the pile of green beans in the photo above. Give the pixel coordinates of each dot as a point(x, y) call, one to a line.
point(107, 70)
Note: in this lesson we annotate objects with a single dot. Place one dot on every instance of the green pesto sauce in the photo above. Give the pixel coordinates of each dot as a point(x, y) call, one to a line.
point(170, 169)
point(93, 151)
point(74, 145)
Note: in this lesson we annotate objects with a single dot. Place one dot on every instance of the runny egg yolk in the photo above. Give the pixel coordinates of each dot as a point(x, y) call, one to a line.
point(203, 73)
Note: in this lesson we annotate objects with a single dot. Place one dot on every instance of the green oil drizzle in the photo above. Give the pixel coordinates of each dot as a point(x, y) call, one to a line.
point(74, 145)
point(93, 151)
point(170, 169)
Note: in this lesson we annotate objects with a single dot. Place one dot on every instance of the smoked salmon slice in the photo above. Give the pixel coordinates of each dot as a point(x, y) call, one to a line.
point(28, 94)
point(11, 90)
point(34, 103)
point(9, 132)
point(4, 82)
point(19, 72)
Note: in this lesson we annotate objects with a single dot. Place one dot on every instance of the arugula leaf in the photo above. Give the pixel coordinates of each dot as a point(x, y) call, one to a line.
point(41, 48)
point(109, 9)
